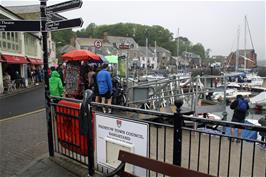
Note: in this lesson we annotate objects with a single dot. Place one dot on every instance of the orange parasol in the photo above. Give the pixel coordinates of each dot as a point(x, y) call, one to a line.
point(78, 55)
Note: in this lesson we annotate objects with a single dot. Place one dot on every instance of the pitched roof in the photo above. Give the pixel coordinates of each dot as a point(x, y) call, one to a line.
point(24, 9)
point(31, 9)
point(160, 49)
point(90, 41)
point(120, 39)
point(142, 51)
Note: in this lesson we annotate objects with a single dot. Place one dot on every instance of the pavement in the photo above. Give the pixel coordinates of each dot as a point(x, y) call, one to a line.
point(56, 166)
point(24, 148)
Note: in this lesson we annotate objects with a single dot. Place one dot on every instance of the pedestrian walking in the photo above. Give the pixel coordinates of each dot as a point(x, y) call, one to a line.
point(60, 70)
point(55, 85)
point(96, 90)
point(240, 107)
point(105, 87)
point(90, 78)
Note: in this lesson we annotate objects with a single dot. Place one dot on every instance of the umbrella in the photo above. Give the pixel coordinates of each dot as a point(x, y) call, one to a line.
point(78, 55)
point(112, 59)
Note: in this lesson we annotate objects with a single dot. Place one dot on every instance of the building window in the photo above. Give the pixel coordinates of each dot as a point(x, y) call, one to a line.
point(30, 45)
point(16, 37)
point(4, 35)
point(8, 41)
point(8, 35)
point(4, 45)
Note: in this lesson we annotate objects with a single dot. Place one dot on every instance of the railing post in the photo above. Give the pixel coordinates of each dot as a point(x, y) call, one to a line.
point(178, 122)
point(85, 123)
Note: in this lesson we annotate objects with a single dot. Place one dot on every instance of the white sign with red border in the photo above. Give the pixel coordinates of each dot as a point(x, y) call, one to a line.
point(97, 43)
point(115, 133)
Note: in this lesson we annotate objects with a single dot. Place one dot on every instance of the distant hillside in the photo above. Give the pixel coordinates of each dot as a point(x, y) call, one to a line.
point(161, 35)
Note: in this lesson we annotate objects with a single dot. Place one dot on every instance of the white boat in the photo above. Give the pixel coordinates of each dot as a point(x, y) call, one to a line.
point(230, 94)
point(258, 101)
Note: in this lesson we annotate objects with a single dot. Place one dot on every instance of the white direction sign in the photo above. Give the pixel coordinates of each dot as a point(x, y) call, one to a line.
point(115, 133)
point(64, 6)
point(64, 24)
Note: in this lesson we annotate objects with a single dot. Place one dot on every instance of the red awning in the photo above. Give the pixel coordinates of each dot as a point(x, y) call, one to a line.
point(15, 59)
point(1, 59)
point(35, 61)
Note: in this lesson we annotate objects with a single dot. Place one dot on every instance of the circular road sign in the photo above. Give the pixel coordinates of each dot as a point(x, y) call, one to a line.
point(97, 44)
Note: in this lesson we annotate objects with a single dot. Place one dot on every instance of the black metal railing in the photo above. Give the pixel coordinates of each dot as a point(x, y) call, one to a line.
point(211, 152)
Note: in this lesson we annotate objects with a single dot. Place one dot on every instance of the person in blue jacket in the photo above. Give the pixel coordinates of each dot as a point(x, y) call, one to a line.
point(104, 82)
point(240, 107)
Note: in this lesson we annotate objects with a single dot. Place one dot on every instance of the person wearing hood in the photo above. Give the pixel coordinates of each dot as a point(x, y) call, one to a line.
point(55, 84)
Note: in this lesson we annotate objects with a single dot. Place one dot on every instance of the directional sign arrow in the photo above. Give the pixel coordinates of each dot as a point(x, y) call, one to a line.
point(64, 24)
point(20, 25)
point(68, 5)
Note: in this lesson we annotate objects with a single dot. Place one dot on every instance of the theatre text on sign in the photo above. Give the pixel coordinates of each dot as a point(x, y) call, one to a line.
point(19, 25)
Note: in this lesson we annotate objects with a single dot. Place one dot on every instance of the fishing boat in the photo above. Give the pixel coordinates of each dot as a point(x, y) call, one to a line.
point(258, 101)
point(231, 93)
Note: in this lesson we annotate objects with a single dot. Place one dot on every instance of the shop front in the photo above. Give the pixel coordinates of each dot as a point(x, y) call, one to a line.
point(34, 70)
point(14, 66)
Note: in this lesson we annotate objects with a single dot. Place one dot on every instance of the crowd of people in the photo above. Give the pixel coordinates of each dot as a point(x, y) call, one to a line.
point(95, 77)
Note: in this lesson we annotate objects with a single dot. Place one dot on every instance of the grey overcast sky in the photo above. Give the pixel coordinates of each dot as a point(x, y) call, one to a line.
point(212, 23)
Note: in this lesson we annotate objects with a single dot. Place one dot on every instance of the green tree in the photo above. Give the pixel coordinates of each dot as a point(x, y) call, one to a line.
point(62, 38)
point(198, 49)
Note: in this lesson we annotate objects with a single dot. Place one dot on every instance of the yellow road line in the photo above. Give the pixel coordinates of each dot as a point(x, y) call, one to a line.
point(22, 115)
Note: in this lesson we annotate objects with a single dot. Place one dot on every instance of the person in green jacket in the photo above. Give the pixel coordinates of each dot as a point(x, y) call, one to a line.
point(55, 84)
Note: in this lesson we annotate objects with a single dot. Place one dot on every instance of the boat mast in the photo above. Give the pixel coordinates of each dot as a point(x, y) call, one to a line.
point(237, 49)
point(146, 53)
point(245, 44)
point(177, 48)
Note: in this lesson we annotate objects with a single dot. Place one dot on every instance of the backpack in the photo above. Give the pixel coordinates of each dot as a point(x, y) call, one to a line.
point(242, 105)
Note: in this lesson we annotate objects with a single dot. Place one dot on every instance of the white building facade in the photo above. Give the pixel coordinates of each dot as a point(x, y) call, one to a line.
point(19, 51)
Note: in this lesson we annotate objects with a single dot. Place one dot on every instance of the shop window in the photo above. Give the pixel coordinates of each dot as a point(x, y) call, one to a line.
point(4, 35)
point(4, 44)
point(8, 45)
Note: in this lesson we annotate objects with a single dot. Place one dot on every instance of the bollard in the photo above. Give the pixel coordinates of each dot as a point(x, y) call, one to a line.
point(178, 123)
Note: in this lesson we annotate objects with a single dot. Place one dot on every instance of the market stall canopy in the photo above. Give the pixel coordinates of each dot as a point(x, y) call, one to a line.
point(112, 59)
point(81, 55)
